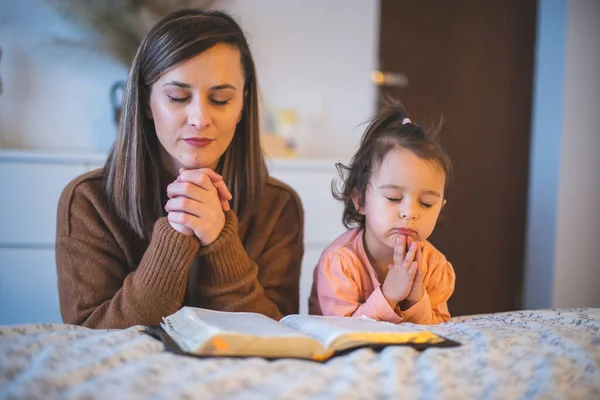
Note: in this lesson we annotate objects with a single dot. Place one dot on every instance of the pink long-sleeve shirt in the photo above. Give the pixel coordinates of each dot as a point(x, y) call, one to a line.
point(346, 284)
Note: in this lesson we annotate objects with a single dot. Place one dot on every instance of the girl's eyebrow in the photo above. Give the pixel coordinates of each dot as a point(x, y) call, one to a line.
point(426, 192)
point(188, 86)
point(432, 193)
point(390, 186)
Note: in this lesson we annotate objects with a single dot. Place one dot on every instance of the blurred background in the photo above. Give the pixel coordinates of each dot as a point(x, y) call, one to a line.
point(516, 81)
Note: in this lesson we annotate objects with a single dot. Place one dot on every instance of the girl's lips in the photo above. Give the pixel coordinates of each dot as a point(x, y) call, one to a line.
point(198, 142)
point(405, 231)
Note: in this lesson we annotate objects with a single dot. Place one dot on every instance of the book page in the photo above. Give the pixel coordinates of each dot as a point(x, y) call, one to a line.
point(341, 333)
point(208, 332)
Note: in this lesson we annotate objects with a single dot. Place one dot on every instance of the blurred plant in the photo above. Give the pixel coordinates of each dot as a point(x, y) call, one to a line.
point(120, 25)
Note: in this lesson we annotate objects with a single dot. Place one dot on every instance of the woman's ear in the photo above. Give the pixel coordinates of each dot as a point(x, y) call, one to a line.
point(356, 199)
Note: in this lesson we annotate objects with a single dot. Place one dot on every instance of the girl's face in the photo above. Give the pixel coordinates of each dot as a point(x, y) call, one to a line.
point(404, 197)
point(196, 107)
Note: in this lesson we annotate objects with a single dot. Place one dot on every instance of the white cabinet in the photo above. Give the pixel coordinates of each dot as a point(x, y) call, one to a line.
point(28, 291)
point(32, 183)
point(28, 215)
point(322, 213)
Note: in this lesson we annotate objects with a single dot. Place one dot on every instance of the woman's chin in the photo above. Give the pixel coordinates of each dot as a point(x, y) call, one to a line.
point(197, 163)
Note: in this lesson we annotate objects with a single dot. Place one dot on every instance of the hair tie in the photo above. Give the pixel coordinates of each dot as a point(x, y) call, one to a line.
point(406, 121)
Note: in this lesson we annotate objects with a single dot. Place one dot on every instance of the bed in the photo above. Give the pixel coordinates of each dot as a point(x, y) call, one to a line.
point(514, 355)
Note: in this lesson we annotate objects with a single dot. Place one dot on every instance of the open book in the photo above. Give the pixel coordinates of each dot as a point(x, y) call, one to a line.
point(217, 333)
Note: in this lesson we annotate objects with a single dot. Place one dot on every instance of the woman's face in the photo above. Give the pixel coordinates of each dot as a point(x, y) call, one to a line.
point(196, 107)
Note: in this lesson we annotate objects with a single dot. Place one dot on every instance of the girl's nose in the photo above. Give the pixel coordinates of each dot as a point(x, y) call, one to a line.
point(408, 213)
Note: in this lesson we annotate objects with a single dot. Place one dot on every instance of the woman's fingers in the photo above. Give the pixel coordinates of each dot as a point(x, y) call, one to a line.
point(192, 191)
point(208, 180)
point(184, 219)
point(186, 205)
point(197, 176)
point(181, 229)
point(185, 189)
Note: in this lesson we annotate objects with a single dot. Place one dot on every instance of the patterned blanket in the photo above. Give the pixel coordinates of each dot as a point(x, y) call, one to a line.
point(515, 355)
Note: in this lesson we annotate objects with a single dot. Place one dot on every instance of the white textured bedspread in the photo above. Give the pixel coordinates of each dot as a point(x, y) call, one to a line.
point(516, 355)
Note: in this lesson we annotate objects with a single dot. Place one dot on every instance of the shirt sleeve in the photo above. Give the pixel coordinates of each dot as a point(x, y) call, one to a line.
point(338, 291)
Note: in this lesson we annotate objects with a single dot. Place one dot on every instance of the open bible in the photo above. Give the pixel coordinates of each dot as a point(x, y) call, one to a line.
point(204, 332)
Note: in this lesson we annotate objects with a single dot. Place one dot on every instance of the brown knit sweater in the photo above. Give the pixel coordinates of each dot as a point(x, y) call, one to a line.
point(110, 278)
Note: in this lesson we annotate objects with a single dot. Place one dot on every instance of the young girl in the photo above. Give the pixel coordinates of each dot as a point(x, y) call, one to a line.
point(394, 190)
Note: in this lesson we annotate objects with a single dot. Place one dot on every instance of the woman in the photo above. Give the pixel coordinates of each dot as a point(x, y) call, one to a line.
point(183, 212)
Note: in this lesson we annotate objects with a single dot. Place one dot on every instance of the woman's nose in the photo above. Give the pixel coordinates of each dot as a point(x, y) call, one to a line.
point(199, 115)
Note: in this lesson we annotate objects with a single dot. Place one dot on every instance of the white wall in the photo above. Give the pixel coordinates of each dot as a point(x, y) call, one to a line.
point(55, 96)
point(577, 272)
point(546, 134)
point(314, 56)
point(562, 265)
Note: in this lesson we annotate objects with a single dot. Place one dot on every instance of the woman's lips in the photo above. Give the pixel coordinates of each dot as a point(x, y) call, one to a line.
point(198, 142)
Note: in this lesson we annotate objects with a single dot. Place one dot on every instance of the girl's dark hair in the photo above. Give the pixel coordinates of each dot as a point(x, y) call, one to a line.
point(133, 170)
point(386, 132)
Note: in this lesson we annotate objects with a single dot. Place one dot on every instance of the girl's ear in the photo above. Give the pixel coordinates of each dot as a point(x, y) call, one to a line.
point(356, 199)
point(444, 203)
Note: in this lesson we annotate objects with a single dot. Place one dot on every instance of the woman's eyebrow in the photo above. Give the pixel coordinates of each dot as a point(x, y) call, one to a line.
point(223, 86)
point(188, 86)
point(178, 84)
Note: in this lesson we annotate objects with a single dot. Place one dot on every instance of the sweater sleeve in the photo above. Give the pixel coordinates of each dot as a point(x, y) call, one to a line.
point(229, 280)
point(97, 288)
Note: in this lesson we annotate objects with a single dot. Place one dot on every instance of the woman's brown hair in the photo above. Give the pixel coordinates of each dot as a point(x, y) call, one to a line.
point(133, 170)
point(387, 131)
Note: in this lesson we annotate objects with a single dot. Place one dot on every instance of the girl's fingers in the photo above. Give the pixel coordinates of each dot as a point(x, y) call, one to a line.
point(419, 254)
point(399, 250)
point(419, 272)
point(410, 255)
point(412, 270)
